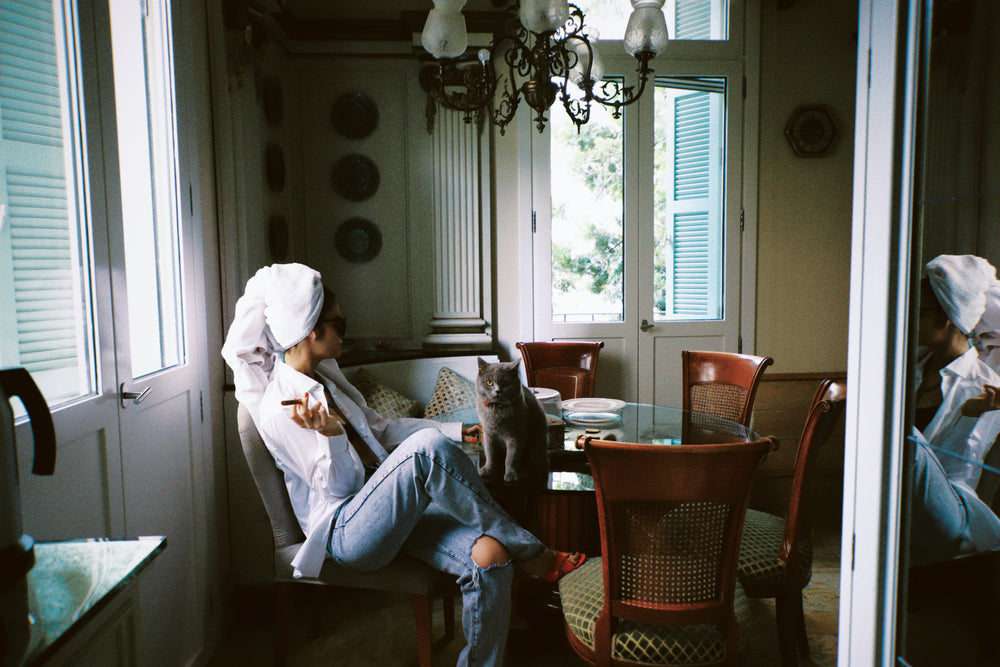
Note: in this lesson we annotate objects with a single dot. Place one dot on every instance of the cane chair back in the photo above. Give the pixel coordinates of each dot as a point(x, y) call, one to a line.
point(723, 384)
point(665, 591)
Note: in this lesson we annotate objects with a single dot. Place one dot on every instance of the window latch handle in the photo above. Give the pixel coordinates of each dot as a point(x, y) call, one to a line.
point(645, 326)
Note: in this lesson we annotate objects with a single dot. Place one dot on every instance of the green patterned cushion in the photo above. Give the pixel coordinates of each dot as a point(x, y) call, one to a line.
point(759, 564)
point(582, 596)
point(385, 400)
point(452, 392)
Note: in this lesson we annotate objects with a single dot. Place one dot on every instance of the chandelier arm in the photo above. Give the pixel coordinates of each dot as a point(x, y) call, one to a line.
point(577, 110)
point(624, 95)
point(504, 110)
point(478, 81)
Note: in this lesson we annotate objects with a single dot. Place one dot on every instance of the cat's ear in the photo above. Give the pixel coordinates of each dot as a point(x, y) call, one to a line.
point(483, 364)
point(514, 364)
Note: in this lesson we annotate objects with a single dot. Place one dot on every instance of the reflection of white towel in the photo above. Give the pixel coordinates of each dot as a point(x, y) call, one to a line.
point(960, 283)
point(279, 307)
point(986, 334)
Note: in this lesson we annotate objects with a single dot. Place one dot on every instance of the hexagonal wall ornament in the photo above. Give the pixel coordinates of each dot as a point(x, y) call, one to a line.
point(811, 130)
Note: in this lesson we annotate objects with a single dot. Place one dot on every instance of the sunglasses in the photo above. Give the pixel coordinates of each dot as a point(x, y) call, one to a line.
point(338, 322)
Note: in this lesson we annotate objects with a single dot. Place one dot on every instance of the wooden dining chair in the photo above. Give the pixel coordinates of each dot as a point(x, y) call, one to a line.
point(402, 575)
point(776, 553)
point(665, 591)
point(723, 384)
point(569, 367)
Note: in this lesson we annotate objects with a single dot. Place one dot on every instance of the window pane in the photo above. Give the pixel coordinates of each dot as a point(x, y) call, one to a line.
point(689, 185)
point(45, 301)
point(686, 19)
point(146, 151)
point(587, 218)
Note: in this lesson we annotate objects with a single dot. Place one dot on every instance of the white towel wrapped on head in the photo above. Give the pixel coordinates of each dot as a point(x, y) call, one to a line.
point(960, 283)
point(986, 334)
point(279, 307)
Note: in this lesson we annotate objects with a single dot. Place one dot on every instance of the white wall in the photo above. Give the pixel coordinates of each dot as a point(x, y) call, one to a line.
point(808, 56)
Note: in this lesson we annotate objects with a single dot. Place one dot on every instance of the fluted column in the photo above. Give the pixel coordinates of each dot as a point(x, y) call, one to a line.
point(458, 215)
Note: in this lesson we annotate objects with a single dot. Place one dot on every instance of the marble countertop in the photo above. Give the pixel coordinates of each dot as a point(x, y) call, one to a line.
point(72, 581)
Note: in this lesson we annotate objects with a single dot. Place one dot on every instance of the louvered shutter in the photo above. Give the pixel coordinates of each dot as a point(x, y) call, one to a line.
point(691, 182)
point(693, 19)
point(691, 224)
point(37, 265)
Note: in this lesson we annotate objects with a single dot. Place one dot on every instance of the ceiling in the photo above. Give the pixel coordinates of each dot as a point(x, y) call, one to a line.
point(367, 20)
point(375, 10)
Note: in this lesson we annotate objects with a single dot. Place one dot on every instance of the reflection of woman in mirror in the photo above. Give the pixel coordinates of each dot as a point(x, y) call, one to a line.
point(957, 415)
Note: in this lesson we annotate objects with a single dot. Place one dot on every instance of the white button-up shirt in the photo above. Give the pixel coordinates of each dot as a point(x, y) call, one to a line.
point(967, 439)
point(322, 472)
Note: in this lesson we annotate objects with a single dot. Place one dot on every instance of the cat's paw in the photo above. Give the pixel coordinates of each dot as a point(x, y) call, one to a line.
point(511, 478)
point(487, 472)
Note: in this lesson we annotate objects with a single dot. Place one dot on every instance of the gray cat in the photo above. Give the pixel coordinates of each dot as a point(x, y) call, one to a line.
point(513, 423)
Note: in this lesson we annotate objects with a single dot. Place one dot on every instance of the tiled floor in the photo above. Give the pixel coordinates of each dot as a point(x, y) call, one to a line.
point(366, 628)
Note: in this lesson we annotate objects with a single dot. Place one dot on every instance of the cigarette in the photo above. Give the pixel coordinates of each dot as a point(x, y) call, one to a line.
point(292, 401)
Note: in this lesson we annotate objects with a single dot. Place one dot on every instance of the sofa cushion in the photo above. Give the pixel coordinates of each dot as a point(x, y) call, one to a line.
point(383, 399)
point(452, 392)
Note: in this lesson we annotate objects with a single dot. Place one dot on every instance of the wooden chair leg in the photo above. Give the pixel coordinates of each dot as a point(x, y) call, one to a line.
point(422, 616)
point(317, 596)
point(283, 605)
point(800, 618)
point(448, 602)
point(791, 627)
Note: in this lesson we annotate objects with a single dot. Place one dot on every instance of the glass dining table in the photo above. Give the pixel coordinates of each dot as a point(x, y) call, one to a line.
point(564, 516)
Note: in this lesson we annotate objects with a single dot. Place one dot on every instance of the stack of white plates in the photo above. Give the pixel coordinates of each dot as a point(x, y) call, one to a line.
point(550, 399)
point(593, 411)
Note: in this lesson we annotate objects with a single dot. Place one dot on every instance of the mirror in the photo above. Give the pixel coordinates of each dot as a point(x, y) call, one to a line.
point(950, 592)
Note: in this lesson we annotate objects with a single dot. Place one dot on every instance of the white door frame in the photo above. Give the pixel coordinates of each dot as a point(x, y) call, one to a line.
point(877, 345)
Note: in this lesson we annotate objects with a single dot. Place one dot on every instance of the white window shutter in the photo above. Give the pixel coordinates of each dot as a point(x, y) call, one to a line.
point(37, 266)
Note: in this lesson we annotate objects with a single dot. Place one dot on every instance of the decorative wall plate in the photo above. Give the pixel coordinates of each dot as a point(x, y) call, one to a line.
point(358, 240)
point(274, 163)
point(274, 106)
point(811, 130)
point(355, 115)
point(355, 177)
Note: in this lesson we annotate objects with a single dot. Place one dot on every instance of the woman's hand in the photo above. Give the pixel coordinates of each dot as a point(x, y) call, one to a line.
point(986, 401)
point(471, 433)
point(316, 419)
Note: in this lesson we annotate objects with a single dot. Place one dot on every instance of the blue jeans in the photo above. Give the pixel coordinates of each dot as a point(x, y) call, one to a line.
point(946, 519)
point(427, 500)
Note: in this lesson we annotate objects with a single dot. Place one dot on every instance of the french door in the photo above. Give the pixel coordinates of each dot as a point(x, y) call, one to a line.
point(99, 278)
point(638, 228)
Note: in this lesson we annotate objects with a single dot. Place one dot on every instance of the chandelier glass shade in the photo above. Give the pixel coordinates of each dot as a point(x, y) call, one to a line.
point(543, 52)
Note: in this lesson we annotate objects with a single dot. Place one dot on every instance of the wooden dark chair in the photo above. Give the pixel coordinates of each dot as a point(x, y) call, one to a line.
point(402, 575)
point(665, 591)
point(776, 554)
point(569, 367)
point(722, 384)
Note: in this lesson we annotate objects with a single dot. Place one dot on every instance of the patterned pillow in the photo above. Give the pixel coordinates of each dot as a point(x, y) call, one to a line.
point(451, 392)
point(384, 400)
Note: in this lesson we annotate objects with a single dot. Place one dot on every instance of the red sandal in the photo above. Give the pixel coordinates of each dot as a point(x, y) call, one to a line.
point(563, 565)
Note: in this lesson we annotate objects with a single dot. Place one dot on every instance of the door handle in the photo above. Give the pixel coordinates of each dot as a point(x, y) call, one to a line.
point(646, 326)
point(135, 396)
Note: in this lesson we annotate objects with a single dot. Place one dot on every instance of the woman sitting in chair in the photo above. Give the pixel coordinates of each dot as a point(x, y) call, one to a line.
point(957, 416)
point(425, 498)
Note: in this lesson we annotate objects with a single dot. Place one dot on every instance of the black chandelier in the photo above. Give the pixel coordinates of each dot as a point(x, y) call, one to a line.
point(548, 52)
